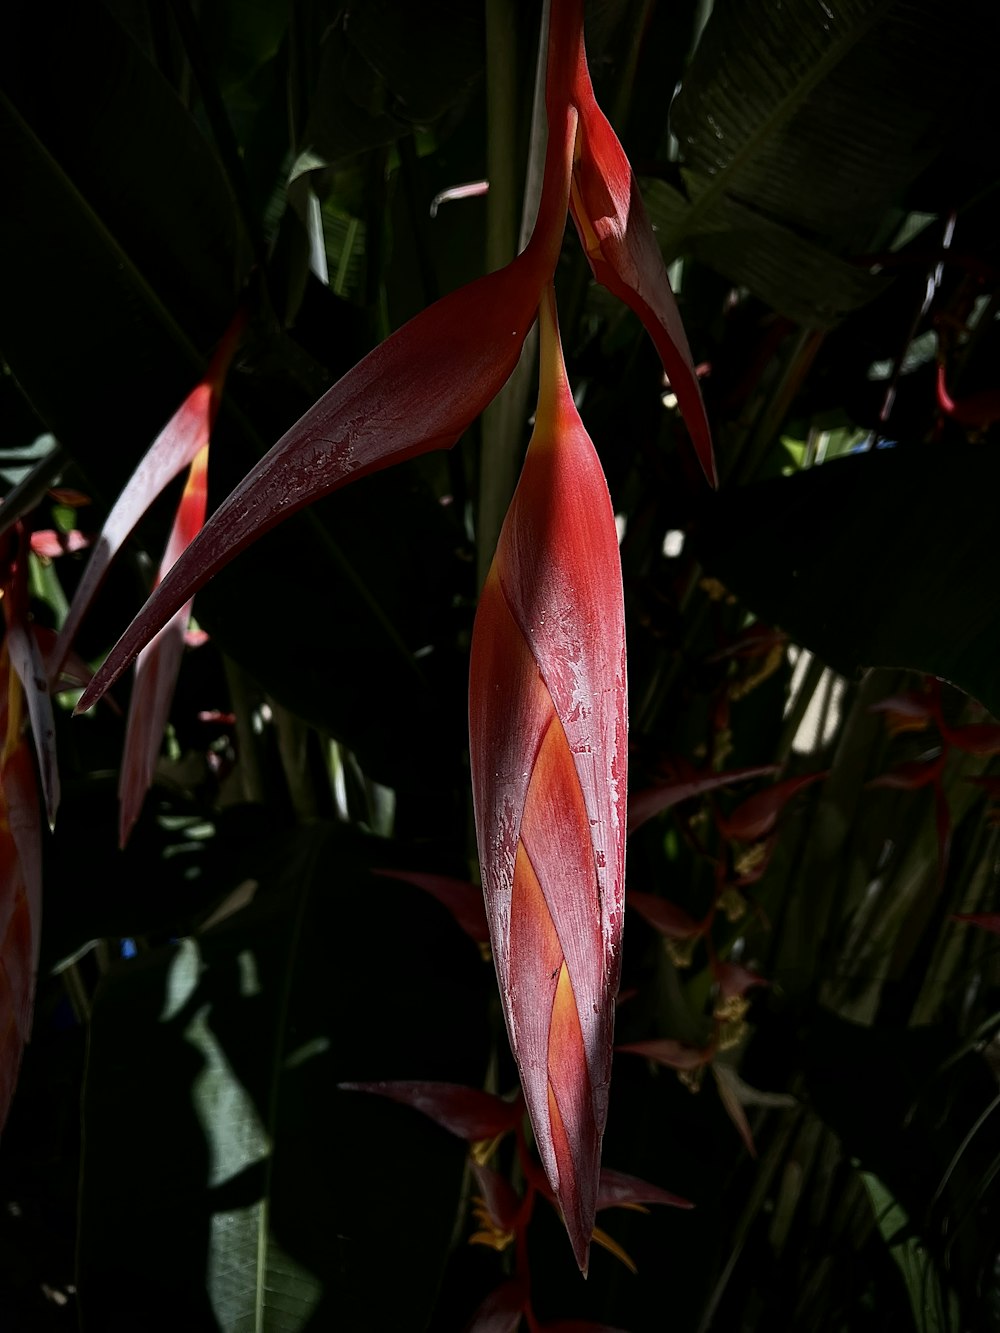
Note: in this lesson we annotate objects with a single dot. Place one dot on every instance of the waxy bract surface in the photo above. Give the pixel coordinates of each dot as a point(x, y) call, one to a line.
point(547, 725)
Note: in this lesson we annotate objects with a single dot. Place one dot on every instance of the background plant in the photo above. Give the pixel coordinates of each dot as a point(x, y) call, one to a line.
point(204, 993)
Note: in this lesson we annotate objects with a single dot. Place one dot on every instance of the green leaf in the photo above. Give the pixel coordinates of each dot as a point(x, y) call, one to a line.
point(800, 126)
point(881, 559)
point(935, 1308)
point(227, 1183)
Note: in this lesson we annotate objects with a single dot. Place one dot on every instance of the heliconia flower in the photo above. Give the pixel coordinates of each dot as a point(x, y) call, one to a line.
point(422, 387)
point(548, 747)
point(621, 246)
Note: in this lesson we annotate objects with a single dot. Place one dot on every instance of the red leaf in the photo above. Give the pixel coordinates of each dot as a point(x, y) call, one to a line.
point(687, 783)
point(29, 666)
point(981, 739)
point(756, 817)
point(501, 1311)
point(984, 920)
point(912, 775)
point(912, 707)
point(755, 641)
point(469, 1113)
point(20, 909)
point(618, 238)
point(498, 1195)
point(462, 899)
point(734, 979)
point(549, 749)
point(665, 916)
point(734, 1107)
point(617, 1190)
point(158, 664)
point(171, 452)
point(673, 1054)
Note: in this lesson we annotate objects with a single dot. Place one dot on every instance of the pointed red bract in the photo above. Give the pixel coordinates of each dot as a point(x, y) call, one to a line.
point(685, 784)
point(462, 899)
point(911, 775)
point(984, 920)
point(981, 739)
point(618, 1190)
point(616, 234)
point(666, 917)
point(171, 452)
point(468, 1113)
point(498, 1196)
point(757, 816)
point(501, 1311)
point(673, 1054)
point(734, 979)
point(729, 1096)
point(548, 747)
point(158, 664)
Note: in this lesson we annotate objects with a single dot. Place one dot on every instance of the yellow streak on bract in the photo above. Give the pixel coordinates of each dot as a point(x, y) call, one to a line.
point(483, 1149)
point(606, 1242)
point(557, 1129)
point(591, 241)
point(565, 1033)
point(492, 1233)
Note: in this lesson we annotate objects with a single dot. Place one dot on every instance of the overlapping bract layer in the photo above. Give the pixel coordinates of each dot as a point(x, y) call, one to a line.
point(547, 722)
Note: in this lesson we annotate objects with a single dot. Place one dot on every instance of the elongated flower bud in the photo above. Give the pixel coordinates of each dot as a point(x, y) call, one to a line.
point(548, 744)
